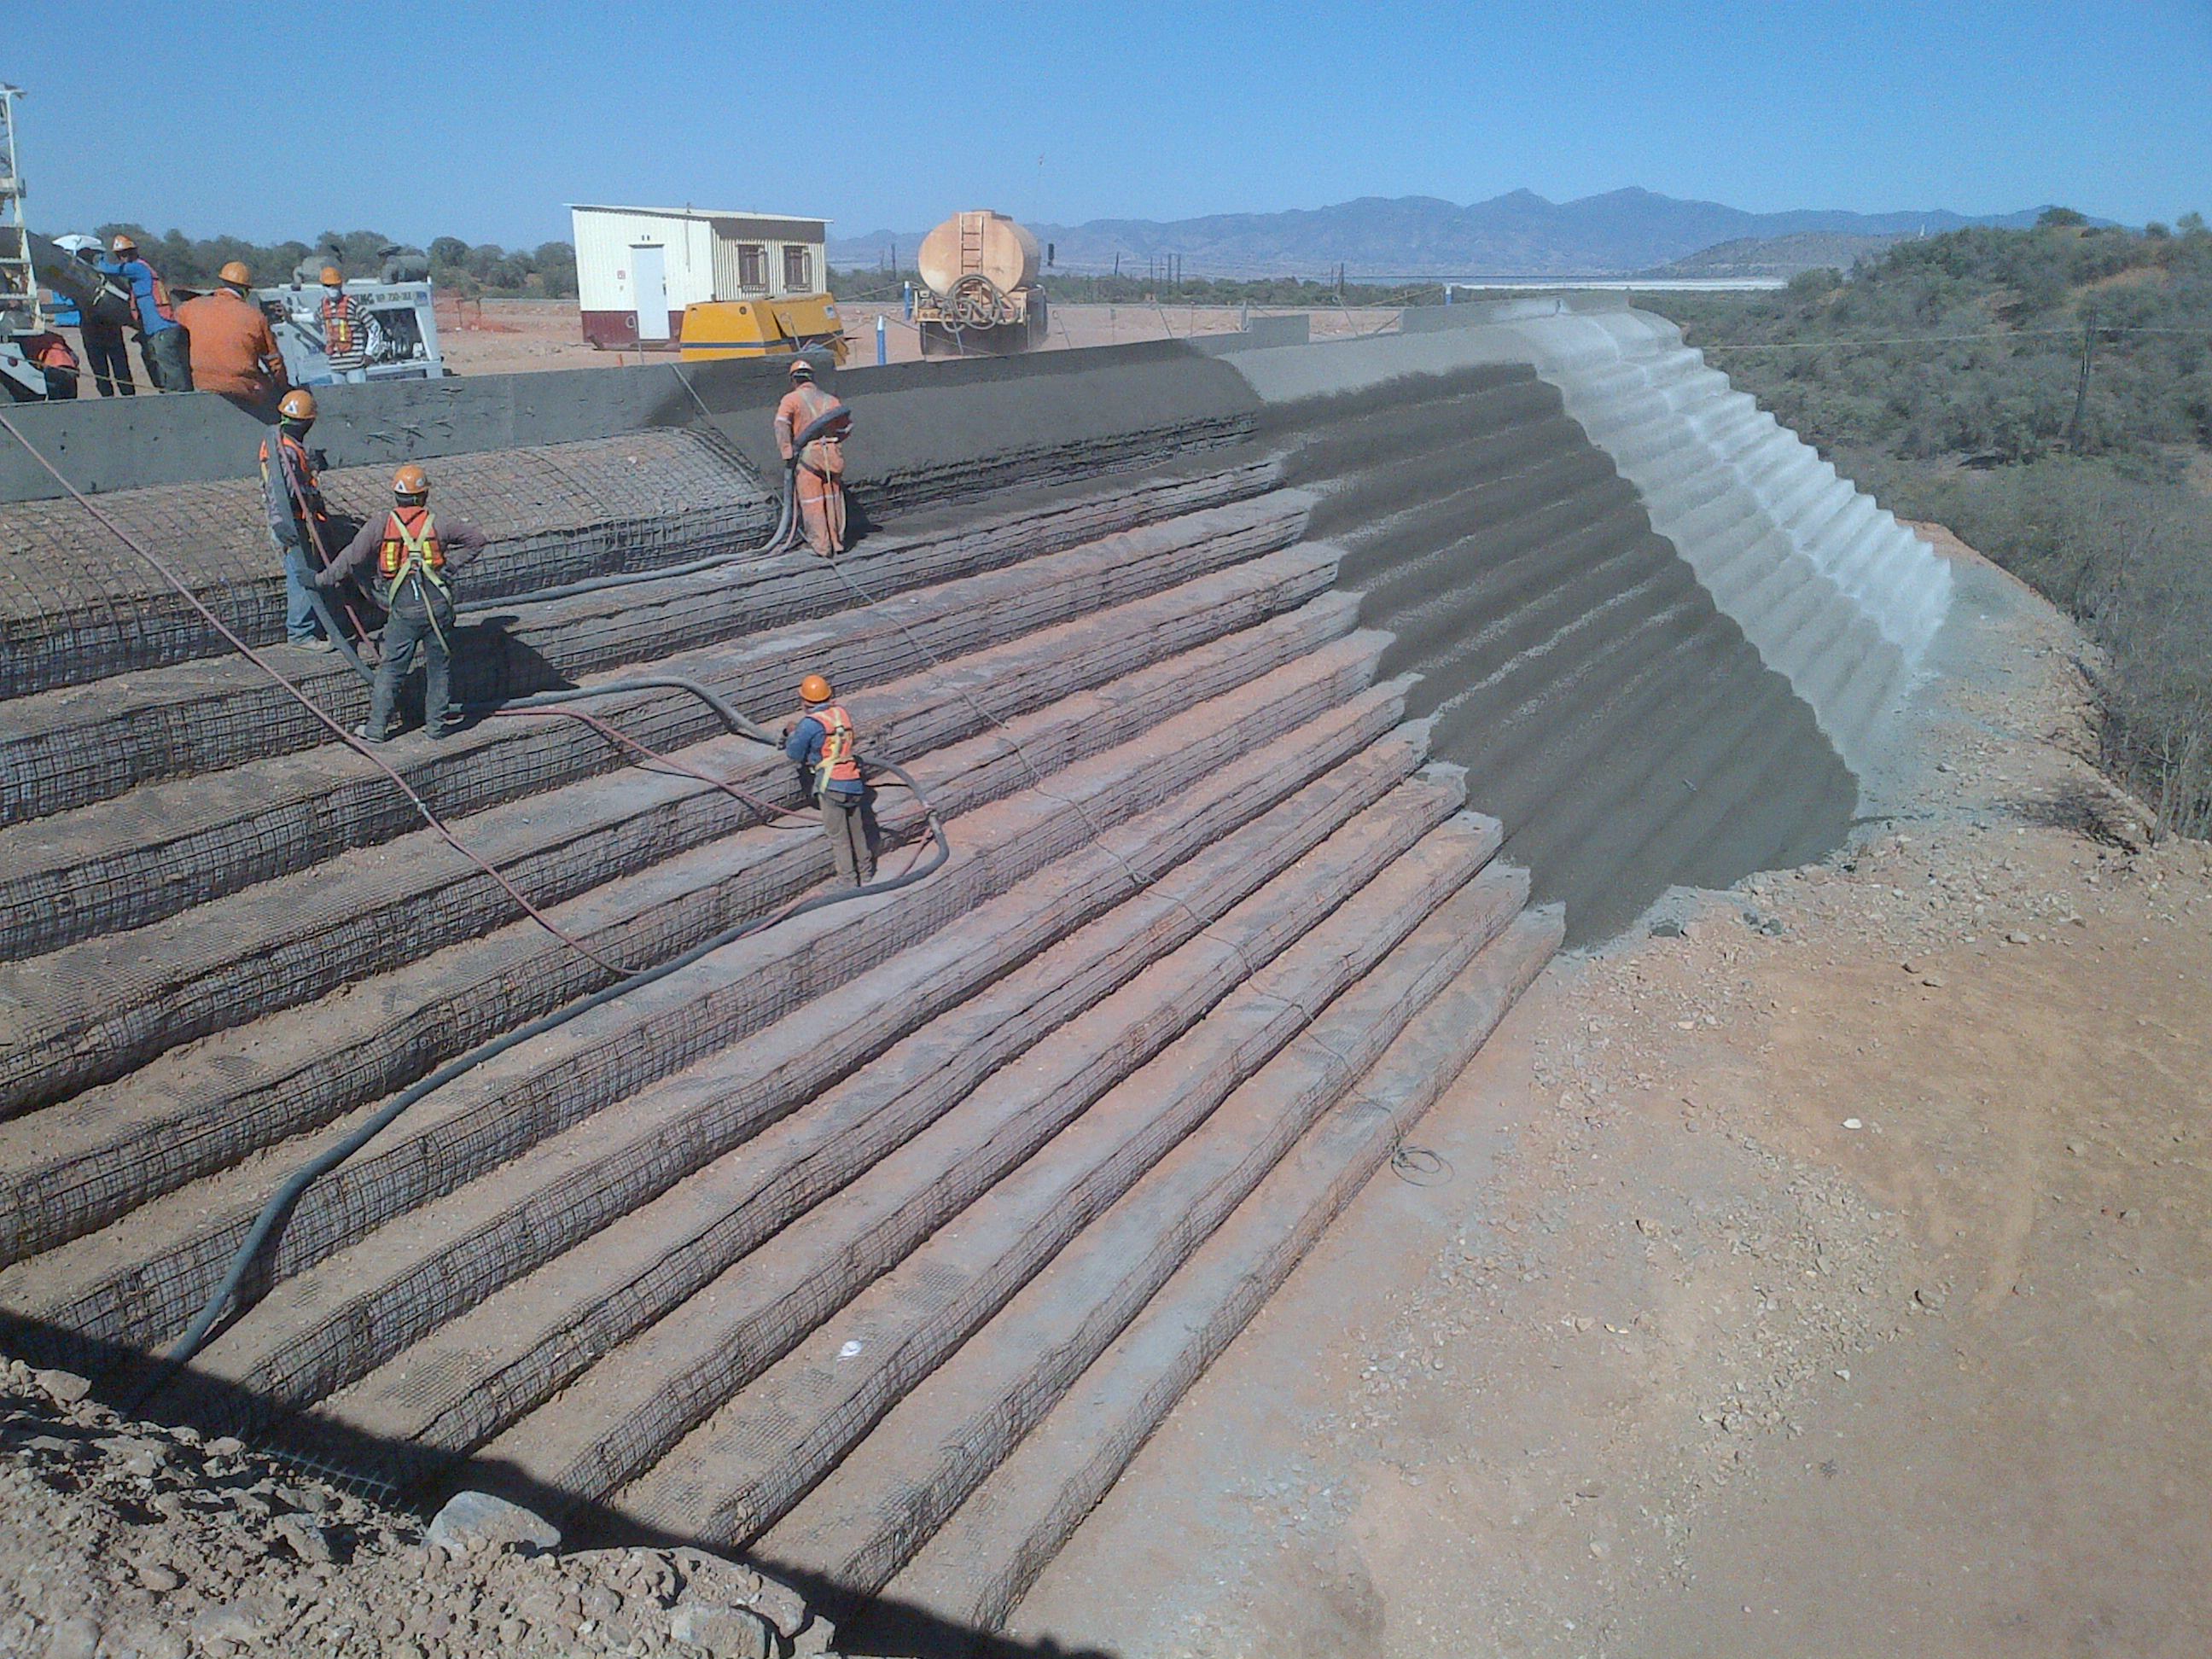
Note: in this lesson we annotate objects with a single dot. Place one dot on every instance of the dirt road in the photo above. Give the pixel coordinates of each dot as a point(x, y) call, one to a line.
point(1831, 1277)
point(513, 337)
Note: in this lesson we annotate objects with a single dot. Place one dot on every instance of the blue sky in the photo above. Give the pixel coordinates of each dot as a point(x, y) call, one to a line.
point(483, 120)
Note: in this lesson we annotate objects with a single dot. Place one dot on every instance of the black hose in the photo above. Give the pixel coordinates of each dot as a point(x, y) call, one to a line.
point(281, 1202)
point(786, 523)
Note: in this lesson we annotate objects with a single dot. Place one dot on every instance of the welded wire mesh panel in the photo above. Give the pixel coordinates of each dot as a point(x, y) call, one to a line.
point(78, 605)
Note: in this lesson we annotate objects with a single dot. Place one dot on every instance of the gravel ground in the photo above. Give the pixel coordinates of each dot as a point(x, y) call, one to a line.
point(119, 1538)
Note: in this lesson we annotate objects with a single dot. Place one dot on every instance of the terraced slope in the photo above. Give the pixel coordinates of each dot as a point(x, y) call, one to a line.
point(1197, 847)
point(877, 1241)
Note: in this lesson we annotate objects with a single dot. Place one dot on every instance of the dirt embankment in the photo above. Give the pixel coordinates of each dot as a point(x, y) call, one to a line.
point(121, 1539)
point(1821, 1272)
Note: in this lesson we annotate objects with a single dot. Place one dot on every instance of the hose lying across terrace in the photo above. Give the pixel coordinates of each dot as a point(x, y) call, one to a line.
point(280, 1204)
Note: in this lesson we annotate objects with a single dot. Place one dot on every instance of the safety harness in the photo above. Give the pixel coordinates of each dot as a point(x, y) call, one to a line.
point(839, 763)
point(411, 549)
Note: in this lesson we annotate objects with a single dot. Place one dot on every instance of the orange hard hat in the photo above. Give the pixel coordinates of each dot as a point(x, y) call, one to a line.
point(411, 482)
point(235, 273)
point(299, 404)
point(333, 277)
point(815, 688)
point(122, 244)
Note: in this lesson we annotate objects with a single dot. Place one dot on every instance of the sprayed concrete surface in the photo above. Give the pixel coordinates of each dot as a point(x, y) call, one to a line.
point(1355, 657)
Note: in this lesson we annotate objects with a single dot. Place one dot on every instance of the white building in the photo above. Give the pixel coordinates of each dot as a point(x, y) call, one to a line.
point(637, 268)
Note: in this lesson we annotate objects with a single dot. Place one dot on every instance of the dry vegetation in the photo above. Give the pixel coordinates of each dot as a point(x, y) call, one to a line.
point(1946, 377)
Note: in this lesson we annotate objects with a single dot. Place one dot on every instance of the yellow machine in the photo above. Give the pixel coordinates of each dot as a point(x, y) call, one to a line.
point(715, 329)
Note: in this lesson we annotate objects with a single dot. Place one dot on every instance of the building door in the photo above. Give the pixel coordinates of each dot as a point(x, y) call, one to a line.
point(648, 264)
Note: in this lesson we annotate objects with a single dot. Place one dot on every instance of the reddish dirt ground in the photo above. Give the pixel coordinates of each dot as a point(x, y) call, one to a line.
point(1831, 1278)
point(513, 337)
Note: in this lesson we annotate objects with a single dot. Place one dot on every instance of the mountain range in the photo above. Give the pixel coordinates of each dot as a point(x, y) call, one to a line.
point(1375, 238)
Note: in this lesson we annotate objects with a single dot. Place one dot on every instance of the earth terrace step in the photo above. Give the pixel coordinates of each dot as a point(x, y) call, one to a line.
point(1494, 523)
point(64, 749)
point(629, 1410)
point(1494, 505)
point(897, 1487)
point(978, 1566)
point(508, 1356)
point(92, 1011)
point(601, 1191)
point(1491, 585)
point(136, 1283)
point(1525, 643)
point(1443, 464)
point(743, 1469)
point(75, 1166)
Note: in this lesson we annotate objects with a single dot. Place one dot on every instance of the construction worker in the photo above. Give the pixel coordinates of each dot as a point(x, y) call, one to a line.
point(234, 352)
point(416, 558)
point(55, 361)
point(163, 346)
point(299, 525)
point(821, 474)
point(345, 329)
point(821, 741)
point(103, 341)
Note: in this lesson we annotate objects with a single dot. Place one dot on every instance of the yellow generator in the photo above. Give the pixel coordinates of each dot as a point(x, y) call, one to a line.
point(715, 329)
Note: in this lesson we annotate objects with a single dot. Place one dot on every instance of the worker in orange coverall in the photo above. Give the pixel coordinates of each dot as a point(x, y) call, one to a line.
point(234, 352)
point(821, 475)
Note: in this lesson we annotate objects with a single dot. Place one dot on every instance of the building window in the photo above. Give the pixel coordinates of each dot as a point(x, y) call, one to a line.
point(799, 269)
point(752, 266)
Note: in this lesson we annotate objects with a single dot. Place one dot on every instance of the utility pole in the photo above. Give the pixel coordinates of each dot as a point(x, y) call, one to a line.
point(2081, 383)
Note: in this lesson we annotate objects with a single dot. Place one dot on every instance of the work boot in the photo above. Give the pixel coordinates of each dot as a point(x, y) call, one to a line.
point(366, 735)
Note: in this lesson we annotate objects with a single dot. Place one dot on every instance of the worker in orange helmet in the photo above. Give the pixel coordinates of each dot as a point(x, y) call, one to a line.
point(165, 352)
point(234, 352)
point(820, 478)
point(416, 559)
point(345, 329)
point(821, 741)
point(299, 523)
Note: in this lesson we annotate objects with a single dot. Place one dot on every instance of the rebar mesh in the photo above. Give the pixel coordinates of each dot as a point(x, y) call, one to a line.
point(76, 606)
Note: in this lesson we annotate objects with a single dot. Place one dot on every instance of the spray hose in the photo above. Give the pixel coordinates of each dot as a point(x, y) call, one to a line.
point(281, 1203)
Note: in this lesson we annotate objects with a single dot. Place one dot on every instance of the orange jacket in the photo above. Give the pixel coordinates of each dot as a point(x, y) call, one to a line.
point(232, 350)
point(801, 407)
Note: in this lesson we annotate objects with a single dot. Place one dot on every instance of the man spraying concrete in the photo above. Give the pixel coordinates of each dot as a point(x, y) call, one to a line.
point(234, 352)
point(416, 557)
point(822, 742)
point(299, 523)
point(821, 473)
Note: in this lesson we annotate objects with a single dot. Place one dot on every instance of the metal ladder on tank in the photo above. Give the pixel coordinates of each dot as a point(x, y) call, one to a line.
point(20, 313)
point(971, 241)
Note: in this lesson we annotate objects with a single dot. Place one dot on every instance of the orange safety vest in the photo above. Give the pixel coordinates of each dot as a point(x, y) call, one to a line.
point(839, 763)
point(337, 327)
point(410, 546)
point(306, 469)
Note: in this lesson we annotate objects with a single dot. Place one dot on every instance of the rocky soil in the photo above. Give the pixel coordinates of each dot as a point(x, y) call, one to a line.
point(121, 1539)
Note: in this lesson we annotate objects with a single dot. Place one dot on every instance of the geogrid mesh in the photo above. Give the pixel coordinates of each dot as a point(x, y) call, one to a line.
point(76, 606)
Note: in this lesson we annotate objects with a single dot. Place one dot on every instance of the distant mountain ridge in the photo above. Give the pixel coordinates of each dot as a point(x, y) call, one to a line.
point(1620, 233)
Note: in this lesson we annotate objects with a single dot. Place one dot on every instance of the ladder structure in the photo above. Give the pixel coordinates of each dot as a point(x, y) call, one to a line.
point(20, 311)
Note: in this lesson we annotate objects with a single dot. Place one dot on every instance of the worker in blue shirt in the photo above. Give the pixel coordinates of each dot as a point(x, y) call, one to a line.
point(822, 742)
point(163, 345)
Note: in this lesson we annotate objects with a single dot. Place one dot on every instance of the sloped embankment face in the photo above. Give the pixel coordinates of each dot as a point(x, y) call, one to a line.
point(873, 1241)
point(1607, 711)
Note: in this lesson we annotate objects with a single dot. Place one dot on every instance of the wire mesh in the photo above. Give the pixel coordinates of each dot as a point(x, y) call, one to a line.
point(74, 606)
